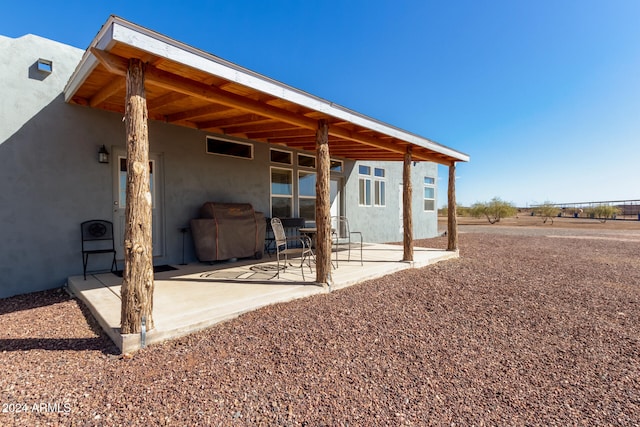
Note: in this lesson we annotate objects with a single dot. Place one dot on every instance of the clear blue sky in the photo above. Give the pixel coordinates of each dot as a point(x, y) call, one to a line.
point(543, 95)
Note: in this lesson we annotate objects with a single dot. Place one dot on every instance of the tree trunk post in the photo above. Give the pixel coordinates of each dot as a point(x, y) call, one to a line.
point(407, 215)
point(452, 219)
point(323, 205)
point(137, 282)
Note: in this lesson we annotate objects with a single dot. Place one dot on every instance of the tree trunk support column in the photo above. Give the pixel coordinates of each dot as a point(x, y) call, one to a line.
point(323, 205)
point(407, 216)
point(137, 283)
point(452, 220)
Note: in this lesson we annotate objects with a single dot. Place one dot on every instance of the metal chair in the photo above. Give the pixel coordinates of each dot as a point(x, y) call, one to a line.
point(342, 234)
point(284, 249)
point(97, 238)
point(291, 227)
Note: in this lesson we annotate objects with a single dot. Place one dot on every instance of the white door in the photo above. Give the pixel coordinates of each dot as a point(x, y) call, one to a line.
point(400, 198)
point(334, 191)
point(120, 202)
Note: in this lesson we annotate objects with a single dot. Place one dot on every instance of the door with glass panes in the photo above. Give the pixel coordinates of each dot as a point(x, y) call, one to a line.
point(120, 202)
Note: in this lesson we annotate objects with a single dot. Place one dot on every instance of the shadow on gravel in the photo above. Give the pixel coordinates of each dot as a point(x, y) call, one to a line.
point(107, 346)
point(57, 344)
point(41, 299)
point(32, 300)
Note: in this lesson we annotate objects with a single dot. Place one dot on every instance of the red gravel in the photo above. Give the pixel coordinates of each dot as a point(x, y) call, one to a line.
point(522, 330)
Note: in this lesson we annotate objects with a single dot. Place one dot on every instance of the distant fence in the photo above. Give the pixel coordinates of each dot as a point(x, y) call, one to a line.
point(628, 209)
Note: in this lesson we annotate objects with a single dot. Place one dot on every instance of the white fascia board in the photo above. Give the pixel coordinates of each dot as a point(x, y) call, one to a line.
point(103, 41)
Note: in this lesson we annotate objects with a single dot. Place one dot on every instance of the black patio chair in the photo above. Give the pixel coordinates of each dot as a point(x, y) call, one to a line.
point(97, 238)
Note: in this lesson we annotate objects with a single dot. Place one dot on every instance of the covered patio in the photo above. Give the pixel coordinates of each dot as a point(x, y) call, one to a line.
point(197, 296)
point(145, 75)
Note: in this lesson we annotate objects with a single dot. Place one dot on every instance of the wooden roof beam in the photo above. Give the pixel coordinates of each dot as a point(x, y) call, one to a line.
point(107, 91)
point(118, 65)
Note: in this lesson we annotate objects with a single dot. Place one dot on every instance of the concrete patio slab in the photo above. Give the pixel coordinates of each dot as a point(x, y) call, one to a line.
point(197, 296)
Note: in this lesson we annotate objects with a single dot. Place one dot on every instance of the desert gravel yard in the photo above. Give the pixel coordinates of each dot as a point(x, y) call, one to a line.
point(521, 330)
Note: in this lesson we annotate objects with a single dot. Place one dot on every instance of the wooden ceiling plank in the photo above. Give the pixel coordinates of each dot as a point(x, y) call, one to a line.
point(287, 133)
point(196, 112)
point(292, 138)
point(118, 65)
point(257, 125)
point(115, 85)
point(214, 94)
point(218, 123)
point(166, 99)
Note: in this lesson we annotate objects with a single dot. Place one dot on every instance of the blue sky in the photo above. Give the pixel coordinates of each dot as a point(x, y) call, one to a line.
point(543, 95)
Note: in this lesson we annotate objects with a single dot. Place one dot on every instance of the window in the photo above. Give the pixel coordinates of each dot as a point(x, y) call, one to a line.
point(307, 195)
point(281, 193)
point(379, 187)
point(45, 66)
point(224, 147)
point(429, 193)
point(336, 166)
point(364, 185)
point(283, 157)
point(122, 182)
point(306, 161)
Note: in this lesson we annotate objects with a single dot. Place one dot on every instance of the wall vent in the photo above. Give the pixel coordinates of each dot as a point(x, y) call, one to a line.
point(45, 66)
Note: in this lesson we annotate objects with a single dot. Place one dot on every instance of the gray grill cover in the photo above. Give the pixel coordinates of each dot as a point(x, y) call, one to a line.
point(228, 230)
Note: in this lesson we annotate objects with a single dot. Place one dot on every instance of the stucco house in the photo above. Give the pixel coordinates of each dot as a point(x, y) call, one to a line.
point(217, 132)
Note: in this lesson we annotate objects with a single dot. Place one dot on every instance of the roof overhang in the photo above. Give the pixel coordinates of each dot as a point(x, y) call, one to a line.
point(188, 87)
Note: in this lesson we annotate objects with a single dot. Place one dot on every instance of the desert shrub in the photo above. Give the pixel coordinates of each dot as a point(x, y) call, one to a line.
point(494, 210)
point(604, 212)
point(460, 211)
point(546, 211)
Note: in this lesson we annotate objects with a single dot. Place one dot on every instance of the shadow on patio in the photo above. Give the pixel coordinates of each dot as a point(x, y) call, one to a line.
point(196, 296)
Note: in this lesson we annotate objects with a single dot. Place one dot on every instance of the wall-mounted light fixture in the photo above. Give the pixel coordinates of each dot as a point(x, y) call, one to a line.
point(103, 154)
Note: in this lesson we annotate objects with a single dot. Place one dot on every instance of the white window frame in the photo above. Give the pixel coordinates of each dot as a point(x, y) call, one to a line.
point(45, 66)
point(336, 166)
point(306, 197)
point(308, 156)
point(379, 187)
point(230, 141)
point(280, 196)
point(281, 151)
point(429, 182)
point(364, 186)
point(122, 182)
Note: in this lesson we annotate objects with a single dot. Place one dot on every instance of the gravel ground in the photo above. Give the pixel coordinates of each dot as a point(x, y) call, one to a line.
point(521, 330)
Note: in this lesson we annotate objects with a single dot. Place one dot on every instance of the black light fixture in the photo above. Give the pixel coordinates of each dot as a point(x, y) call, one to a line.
point(103, 154)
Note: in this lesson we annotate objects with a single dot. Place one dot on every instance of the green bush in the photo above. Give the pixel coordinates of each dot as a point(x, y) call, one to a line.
point(547, 211)
point(460, 211)
point(603, 212)
point(494, 210)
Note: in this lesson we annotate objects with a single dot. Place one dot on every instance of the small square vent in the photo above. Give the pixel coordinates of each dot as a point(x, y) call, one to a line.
point(45, 66)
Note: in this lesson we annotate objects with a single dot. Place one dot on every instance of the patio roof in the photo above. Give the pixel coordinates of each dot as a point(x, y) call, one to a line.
point(189, 87)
